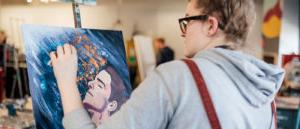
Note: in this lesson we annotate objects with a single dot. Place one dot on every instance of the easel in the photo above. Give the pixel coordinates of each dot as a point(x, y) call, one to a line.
point(76, 13)
point(17, 77)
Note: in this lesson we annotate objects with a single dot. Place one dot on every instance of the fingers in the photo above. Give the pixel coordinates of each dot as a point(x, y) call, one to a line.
point(52, 56)
point(74, 51)
point(67, 49)
point(59, 51)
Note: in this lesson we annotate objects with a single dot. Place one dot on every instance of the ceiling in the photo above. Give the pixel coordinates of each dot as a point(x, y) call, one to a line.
point(20, 2)
point(104, 2)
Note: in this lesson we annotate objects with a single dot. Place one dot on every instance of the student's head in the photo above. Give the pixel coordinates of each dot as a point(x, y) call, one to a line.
point(2, 37)
point(159, 43)
point(219, 22)
point(105, 95)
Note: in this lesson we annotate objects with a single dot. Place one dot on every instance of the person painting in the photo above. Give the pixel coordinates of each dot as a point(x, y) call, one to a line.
point(241, 87)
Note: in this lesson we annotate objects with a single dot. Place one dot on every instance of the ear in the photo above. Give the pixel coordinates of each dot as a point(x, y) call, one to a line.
point(213, 26)
point(112, 106)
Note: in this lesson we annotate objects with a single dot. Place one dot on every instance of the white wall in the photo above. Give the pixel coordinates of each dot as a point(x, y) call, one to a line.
point(12, 17)
point(168, 26)
point(0, 13)
point(153, 19)
point(289, 38)
point(254, 42)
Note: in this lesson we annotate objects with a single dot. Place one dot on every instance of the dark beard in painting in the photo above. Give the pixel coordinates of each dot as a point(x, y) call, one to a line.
point(89, 107)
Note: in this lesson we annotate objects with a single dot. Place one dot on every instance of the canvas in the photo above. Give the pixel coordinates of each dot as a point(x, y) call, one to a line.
point(145, 55)
point(102, 77)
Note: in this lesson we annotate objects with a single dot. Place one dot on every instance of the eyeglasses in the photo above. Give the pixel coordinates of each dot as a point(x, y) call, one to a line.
point(183, 22)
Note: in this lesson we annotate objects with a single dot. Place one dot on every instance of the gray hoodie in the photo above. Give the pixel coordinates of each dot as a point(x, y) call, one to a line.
point(241, 86)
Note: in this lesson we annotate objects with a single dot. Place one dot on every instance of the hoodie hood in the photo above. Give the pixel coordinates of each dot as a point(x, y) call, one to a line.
point(257, 81)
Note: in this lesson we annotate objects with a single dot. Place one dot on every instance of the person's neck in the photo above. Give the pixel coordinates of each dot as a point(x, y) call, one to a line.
point(162, 46)
point(219, 42)
point(214, 44)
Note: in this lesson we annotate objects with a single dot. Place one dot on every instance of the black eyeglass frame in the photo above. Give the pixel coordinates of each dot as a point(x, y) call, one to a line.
point(187, 19)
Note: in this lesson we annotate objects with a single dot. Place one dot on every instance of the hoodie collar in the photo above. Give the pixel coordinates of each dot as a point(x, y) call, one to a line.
point(257, 81)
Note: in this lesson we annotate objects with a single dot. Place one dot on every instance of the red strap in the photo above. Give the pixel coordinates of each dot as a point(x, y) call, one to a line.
point(274, 113)
point(206, 99)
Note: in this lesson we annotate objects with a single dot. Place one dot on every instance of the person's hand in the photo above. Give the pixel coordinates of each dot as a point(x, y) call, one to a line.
point(64, 63)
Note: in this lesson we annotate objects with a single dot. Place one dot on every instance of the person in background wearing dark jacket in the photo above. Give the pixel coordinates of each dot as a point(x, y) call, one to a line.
point(165, 53)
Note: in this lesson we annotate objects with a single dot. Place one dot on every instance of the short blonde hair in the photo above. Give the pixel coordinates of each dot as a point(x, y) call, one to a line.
point(237, 17)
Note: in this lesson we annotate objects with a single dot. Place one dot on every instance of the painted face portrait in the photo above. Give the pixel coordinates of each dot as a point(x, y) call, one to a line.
point(101, 99)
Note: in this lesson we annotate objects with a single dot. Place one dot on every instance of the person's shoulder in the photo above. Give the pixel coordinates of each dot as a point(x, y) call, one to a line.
point(168, 48)
point(179, 67)
point(172, 68)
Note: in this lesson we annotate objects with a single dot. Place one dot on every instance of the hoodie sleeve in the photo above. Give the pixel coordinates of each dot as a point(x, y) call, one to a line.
point(148, 108)
point(78, 119)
